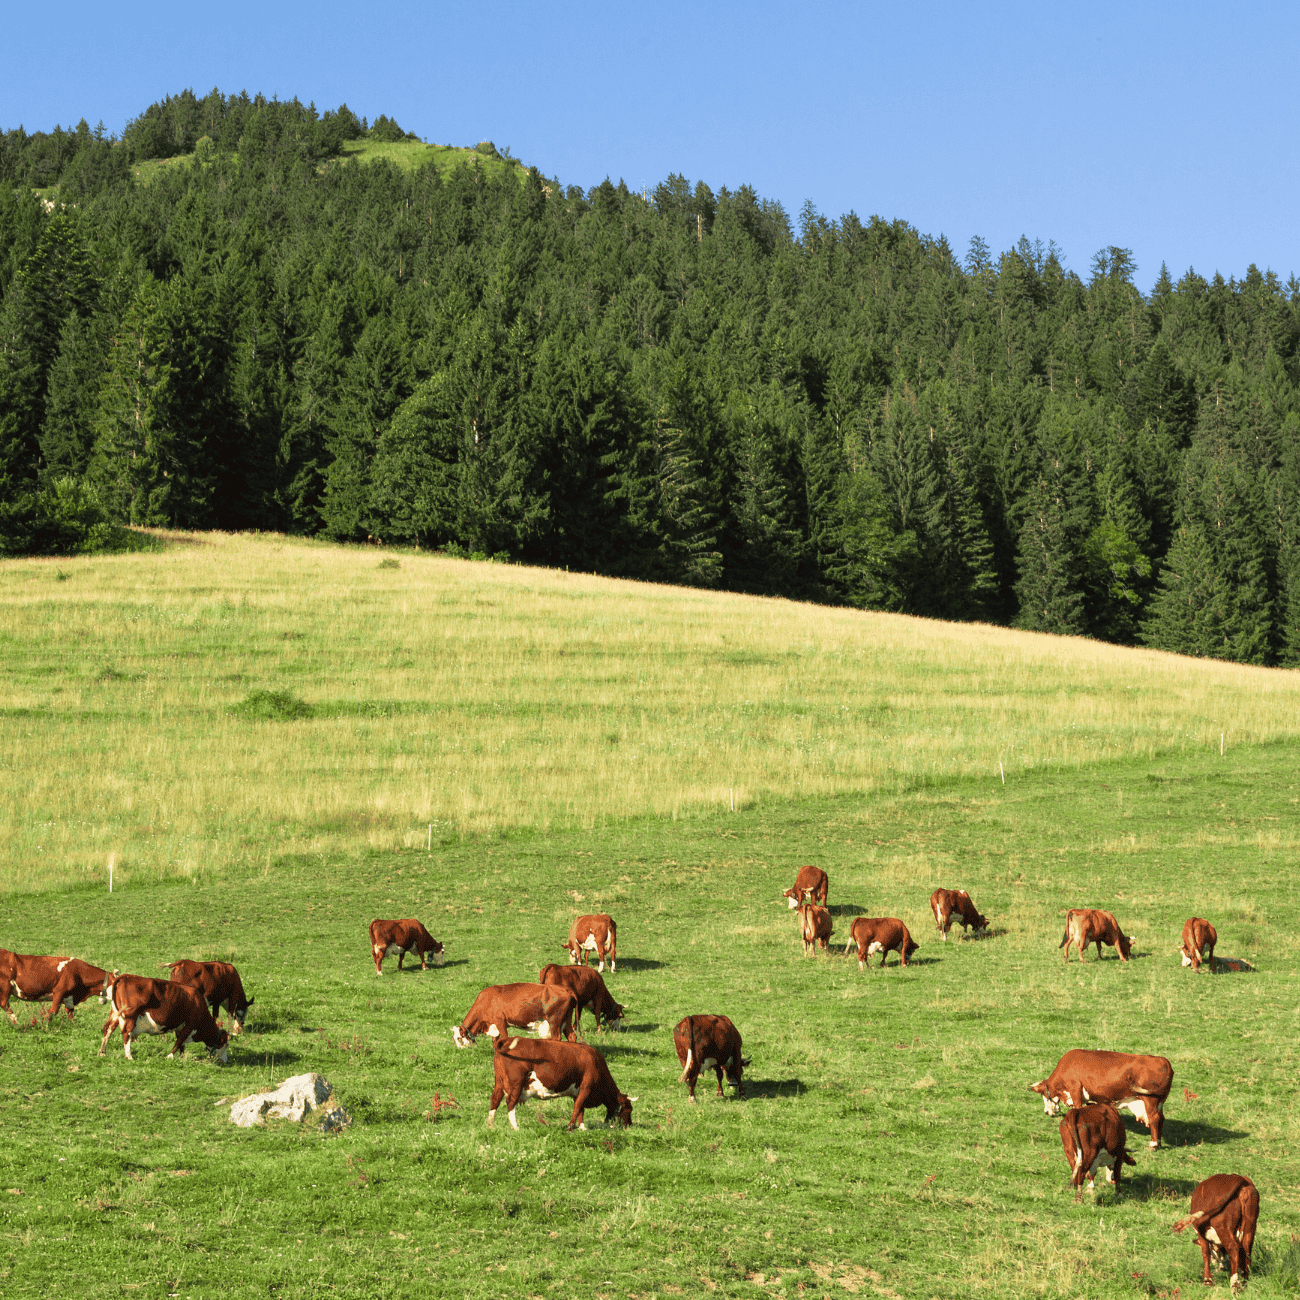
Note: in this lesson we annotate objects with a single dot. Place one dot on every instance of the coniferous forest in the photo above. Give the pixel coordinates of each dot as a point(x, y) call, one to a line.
point(681, 386)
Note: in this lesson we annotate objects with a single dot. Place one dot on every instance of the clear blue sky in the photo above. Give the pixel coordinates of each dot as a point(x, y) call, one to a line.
point(1170, 129)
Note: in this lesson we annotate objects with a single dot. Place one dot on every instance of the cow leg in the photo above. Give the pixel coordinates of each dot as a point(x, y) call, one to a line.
point(718, 1071)
point(1248, 1198)
point(4, 1002)
point(128, 1033)
point(1156, 1120)
point(1208, 1279)
point(182, 1037)
point(613, 943)
point(377, 952)
point(580, 1104)
point(400, 958)
point(497, 1093)
point(108, 1029)
point(512, 1102)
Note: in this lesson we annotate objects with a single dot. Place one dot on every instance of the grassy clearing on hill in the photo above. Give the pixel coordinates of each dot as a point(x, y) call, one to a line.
point(410, 154)
point(482, 698)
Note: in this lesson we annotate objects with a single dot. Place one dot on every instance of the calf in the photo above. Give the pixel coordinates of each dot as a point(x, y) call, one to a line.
point(880, 934)
point(949, 905)
point(547, 1008)
point(589, 987)
point(1225, 1209)
point(596, 934)
point(533, 1067)
point(815, 925)
point(389, 938)
point(1139, 1083)
point(1092, 1137)
point(704, 1041)
point(218, 983)
point(810, 886)
point(62, 981)
point(1199, 938)
point(1085, 925)
point(141, 1005)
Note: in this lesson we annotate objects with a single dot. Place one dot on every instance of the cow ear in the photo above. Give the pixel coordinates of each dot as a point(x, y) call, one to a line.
point(634, 1099)
point(251, 1001)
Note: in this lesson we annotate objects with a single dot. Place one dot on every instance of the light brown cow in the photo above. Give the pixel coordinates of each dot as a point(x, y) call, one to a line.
point(1225, 1210)
point(1139, 1083)
point(596, 934)
point(815, 926)
point(810, 886)
point(143, 1005)
point(709, 1041)
point(1085, 925)
point(882, 934)
point(218, 983)
point(61, 981)
point(949, 905)
point(1199, 938)
point(548, 1009)
point(589, 987)
point(1094, 1137)
point(397, 938)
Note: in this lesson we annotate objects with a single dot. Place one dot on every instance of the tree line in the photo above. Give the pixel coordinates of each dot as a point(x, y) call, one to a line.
point(683, 386)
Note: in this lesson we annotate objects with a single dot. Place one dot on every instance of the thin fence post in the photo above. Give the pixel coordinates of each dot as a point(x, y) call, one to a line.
point(733, 798)
point(1220, 744)
point(1003, 771)
point(111, 858)
point(430, 837)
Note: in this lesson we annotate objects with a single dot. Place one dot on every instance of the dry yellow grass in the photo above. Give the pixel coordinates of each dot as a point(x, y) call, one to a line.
point(480, 697)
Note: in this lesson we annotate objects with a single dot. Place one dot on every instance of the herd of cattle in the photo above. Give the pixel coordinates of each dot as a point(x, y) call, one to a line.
point(1092, 1086)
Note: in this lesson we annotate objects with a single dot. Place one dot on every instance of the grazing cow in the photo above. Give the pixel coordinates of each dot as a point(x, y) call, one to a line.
point(1093, 1137)
point(1225, 1209)
point(880, 934)
point(1199, 938)
point(535, 1068)
point(815, 924)
point(62, 981)
point(388, 938)
point(949, 905)
point(589, 987)
point(547, 1008)
point(218, 983)
point(1139, 1083)
point(141, 1005)
point(810, 886)
point(596, 934)
point(1085, 925)
point(704, 1041)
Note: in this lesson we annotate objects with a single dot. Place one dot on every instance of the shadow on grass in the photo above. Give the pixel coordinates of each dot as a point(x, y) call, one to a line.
point(769, 1088)
point(993, 932)
point(609, 1048)
point(415, 970)
point(1148, 1187)
point(648, 1028)
point(637, 963)
point(1185, 1133)
point(847, 909)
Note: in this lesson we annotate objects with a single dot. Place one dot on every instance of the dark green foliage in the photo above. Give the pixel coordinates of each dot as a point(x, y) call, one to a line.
point(272, 706)
point(62, 517)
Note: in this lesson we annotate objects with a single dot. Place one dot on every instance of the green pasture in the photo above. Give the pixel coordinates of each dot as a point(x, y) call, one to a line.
point(411, 154)
point(887, 1145)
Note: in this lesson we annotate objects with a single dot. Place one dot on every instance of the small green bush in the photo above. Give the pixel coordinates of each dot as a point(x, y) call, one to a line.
point(272, 706)
point(64, 517)
point(390, 563)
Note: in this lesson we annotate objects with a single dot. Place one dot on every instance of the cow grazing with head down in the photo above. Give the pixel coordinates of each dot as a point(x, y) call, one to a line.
point(596, 934)
point(810, 886)
point(949, 905)
point(218, 983)
point(534, 1067)
point(1225, 1210)
point(709, 1041)
point(1140, 1084)
point(884, 935)
point(397, 938)
point(1199, 938)
point(141, 1005)
point(549, 1009)
point(815, 926)
point(589, 987)
point(1093, 1138)
point(62, 981)
point(1085, 925)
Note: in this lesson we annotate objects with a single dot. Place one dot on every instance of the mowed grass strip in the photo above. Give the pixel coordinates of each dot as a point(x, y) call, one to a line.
point(888, 1144)
point(479, 698)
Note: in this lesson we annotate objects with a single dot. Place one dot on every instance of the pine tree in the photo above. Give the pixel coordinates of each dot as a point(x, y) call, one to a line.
point(67, 434)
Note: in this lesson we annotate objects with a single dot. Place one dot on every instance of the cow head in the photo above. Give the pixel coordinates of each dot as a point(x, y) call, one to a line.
point(624, 1112)
point(1124, 942)
point(223, 1040)
point(793, 898)
point(980, 922)
point(1050, 1103)
point(1187, 961)
point(461, 1039)
point(237, 1017)
point(912, 946)
point(106, 993)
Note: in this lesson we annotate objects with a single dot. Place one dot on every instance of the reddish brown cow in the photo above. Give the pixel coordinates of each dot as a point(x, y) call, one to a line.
point(1225, 1209)
point(1093, 1137)
point(815, 925)
point(810, 886)
point(589, 987)
point(1085, 925)
point(218, 983)
point(880, 934)
point(949, 905)
point(61, 981)
point(535, 1068)
point(1199, 938)
point(709, 1041)
point(547, 1008)
point(596, 934)
point(389, 938)
point(142, 1005)
point(1139, 1083)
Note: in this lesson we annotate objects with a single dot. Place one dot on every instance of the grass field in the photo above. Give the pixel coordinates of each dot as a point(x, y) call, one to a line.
point(888, 1144)
point(410, 154)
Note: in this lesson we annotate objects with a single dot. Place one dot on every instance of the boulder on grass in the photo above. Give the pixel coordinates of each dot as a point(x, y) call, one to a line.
point(293, 1100)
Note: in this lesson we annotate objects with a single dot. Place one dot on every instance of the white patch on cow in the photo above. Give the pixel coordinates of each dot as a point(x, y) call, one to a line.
point(687, 1069)
point(1211, 1235)
point(793, 903)
point(582, 1127)
point(589, 943)
point(1087, 1096)
point(512, 1044)
point(601, 967)
point(536, 1088)
point(1138, 1106)
point(1236, 1282)
point(1104, 1161)
point(1187, 961)
point(514, 1122)
point(62, 964)
point(392, 950)
point(493, 1031)
point(874, 947)
point(862, 965)
point(17, 990)
point(461, 1040)
point(1050, 1105)
point(544, 1029)
point(492, 1115)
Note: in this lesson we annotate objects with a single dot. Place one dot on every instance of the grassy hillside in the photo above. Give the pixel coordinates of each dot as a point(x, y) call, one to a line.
point(410, 154)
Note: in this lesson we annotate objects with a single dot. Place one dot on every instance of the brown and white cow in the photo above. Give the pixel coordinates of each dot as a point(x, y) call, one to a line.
point(810, 886)
point(705, 1042)
point(534, 1067)
point(1199, 938)
point(1140, 1084)
point(218, 983)
point(397, 938)
point(61, 981)
point(589, 986)
point(596, 934)
point(815, 926)
point(949, 905)
point(549, 1009)
point(143, 1005)
point(1085, 925)
point(1225, 1209)
point(884, 934)
point(1093, 1137)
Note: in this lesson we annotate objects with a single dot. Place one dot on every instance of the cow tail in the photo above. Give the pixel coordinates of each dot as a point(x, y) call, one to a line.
point(690, 1047)
point(1065, 938)
point(1192, 1220)
point(1072, 1119)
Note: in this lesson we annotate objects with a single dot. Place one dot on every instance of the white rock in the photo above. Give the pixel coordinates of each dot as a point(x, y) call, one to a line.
point(292, 1100)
